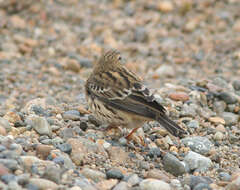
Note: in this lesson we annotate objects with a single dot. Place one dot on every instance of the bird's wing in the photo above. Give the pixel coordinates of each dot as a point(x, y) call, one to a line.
point(123, 90)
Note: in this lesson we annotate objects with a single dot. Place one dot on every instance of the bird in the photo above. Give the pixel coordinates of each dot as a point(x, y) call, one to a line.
point(117, 97)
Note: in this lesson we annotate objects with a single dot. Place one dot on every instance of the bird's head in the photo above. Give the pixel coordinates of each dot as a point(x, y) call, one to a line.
point(110, 59)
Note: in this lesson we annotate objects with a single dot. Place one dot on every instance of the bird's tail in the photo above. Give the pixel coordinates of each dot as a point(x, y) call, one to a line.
point(171, 126)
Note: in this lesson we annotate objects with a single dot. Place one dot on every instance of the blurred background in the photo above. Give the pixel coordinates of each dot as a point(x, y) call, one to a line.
point(49, 47)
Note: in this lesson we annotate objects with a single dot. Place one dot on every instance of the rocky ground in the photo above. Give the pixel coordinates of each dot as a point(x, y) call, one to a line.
point(187, 51)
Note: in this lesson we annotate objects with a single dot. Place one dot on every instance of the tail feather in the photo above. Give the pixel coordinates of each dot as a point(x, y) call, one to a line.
point(171, 126)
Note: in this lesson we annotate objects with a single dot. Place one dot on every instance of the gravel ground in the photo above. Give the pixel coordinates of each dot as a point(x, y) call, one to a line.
point(187, 51)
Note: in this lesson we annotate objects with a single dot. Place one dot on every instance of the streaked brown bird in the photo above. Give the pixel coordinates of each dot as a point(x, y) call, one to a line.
point(117, 97)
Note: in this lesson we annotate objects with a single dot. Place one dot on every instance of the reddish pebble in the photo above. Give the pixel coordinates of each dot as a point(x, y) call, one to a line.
point(179, 96)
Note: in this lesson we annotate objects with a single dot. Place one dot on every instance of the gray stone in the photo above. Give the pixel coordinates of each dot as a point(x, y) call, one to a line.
point(9, 163)
point(193, 124)
point(202, 186)
point(197, 162)
point(227, 97)
point(114, 174)
point(5, 124)
point(236, 84)
point(154, 184)
point(140, 34)
point(94, 175)
point(198, 144)
point(173, 165)
point(224, 176)
point(71, 115)
point(219, 106)
point(230, 118)
point(189, 110)
point(133, 180)
point(234, 185)
point(40, 125)
point(53, 173)
point(84, 184)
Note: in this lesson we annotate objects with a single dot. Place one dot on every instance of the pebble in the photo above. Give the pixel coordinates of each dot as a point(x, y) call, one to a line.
point(107, 184)
point(202, 186)
point(71, 115)
point(65, 147)
point(234, 185)
point(121, 186)
point(157, 174)
point(43, 184)
point(8, 178)
point(43, 150)
point(227, 97)
point(193, 124)
point(165, 71)
point(173, 165)
point(94, 175)
point(40, 125)
point(133, 180)
point(236, 84)
point(219, 106)
point(5, 124)
point(224, 176)
point(117, 154)
point(197, 162)
point(230, 118)
point(53, 173)
point(198, 144)
point(154, 152)
point(217, 120)
point(114, 174)
point(218, 136)
point(165, 6)
point(189, 110)
point(179, 96)
point(9, 163)
point(82, 147)
point(154, 184)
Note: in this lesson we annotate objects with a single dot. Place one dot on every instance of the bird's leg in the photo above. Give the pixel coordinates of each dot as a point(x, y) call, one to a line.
point(128, 137)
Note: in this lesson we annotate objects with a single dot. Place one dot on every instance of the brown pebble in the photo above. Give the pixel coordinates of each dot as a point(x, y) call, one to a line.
point(43, 150)
point(3, 170)
point(158, 174)
point(179, 96)
point(3, 131)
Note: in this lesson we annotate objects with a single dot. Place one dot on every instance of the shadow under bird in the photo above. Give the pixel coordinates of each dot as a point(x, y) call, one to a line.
point(117, 97)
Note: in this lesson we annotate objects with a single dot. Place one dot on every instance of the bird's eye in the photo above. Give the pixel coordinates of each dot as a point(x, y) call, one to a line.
point(119, 58)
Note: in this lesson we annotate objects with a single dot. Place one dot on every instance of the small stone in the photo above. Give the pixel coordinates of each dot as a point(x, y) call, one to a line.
point(157, 174)
point(94, 175)
point(165, 6)
point(191, 25)
point(189, 110)
point(202, 186)
point(5, 124)
point(197, 162)
point(234, 185)
point(53, 173)
point(224, 176)
point(173, 165)
point(121, 186)
point(219, 106)
point(12, 117)
point(72, 65)
point(107, 184)
point(83, 125)
point(198, 144)
point(43, 183)
point(17, 22)
point(227, 97)
point(230, 118)
point(133, 180)
point(179, 96)
point(43, 150)
point(7, 178)
point(140, 34)
point(3, 131)
point(65, 147)
point(154, 153)
point(3, 170)
point(216, 120)
point(114, 174)
point(236, 84)
point(236, 25)
point(193, 124)
point(218, 136)
point(41, 125)
point(9, 163)
point(154, 184)
point(165, 71)
point(71, 115)
point(117, 154)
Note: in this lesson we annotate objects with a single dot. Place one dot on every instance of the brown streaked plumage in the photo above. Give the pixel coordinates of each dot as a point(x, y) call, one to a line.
point(116, 96)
